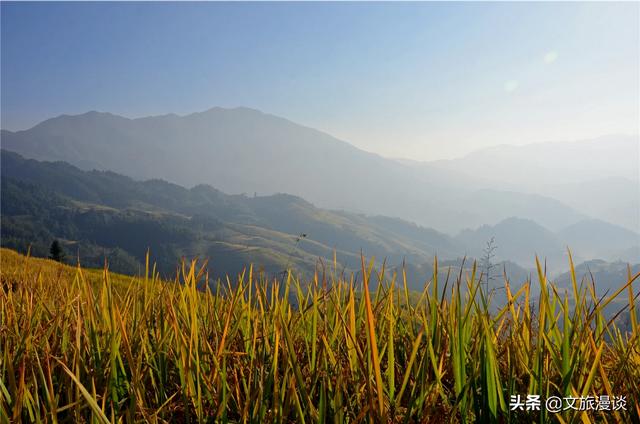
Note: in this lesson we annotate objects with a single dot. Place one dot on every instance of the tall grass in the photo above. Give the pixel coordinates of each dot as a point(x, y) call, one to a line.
point(85, 346)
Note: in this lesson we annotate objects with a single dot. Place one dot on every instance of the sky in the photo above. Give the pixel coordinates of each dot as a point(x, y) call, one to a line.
point(422, 81)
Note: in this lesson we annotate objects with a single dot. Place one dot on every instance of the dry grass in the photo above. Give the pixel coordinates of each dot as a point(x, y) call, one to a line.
point(89, 346)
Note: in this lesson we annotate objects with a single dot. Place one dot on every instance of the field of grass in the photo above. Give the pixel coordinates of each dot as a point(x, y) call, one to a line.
point(81, 345)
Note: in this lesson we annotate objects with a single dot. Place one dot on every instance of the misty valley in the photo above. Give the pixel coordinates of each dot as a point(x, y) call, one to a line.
point(98, 214)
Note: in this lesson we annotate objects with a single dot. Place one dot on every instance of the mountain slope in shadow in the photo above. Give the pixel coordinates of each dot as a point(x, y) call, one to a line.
point(94, 209)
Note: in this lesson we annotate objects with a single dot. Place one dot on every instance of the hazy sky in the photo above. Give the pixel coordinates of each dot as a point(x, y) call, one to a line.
point(422, 81)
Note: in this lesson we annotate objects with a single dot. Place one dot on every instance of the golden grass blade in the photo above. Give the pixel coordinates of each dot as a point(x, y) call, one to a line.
point(87, 396)
point(372, 340)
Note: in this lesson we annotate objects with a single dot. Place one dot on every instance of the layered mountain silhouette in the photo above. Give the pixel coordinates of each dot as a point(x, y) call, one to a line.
point(246, 151)
point(598, 177)
point(101, 214)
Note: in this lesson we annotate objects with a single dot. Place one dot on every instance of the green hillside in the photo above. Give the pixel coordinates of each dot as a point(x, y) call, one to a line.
point(98, 214)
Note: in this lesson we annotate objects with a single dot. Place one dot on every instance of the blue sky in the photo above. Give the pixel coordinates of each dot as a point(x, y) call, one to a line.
point(422, 81)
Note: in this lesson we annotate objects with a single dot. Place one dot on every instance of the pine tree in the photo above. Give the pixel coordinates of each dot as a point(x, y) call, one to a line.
point(56, 252)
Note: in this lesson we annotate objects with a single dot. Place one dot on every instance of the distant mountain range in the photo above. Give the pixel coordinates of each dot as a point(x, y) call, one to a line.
point(569, 162)
point(535, 199)
point(102, 213)
point(520, 240)
point(599, 177)
point(246, 151)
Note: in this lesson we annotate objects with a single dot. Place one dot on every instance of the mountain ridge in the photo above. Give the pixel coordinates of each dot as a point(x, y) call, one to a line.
point(284, 216)
point(243, 150)
point(204, 215)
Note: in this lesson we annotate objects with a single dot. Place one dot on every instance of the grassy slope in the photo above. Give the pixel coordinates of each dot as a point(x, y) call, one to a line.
point(16, 268)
